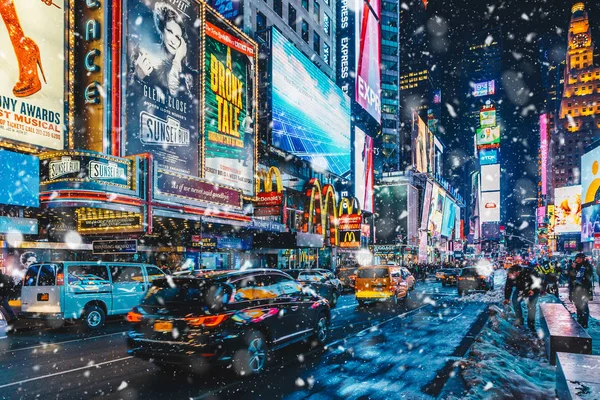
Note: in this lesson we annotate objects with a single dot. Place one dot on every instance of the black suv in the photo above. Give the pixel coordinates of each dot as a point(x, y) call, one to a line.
point(232, 318)
point(319, 282)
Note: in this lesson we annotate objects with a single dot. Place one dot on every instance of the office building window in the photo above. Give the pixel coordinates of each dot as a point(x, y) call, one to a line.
point(305, 31)
point(261, 21)
point(326, 54)
point(326, 24)
point(317, 43)
point(278, 7)
point(317, 11)
point(305, 4)
point(291, 16)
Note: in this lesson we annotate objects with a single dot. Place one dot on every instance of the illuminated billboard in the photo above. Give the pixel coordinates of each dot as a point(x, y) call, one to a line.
point(33, 98)
point(368, 76)
point(590, 176)
point(490, 207)
point(363, 169)
point(423, 145)
point(487, 118)
point(590, 225)
point(488, 137)
point(544, 152)
point(567, 209)
point(448, 219)
point(426, 206)
point(487, 88)
point(391, 214)
point(229, 141)
point(436, 212)
point(359, 53)
point(490, 177)
point(311, 115)
point(161, 88)
point(488, 156)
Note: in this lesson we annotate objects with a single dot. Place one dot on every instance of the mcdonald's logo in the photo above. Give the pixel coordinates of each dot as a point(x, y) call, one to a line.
point(266, 179)
point(350, 236)
point(350, 239)
point(320, 211)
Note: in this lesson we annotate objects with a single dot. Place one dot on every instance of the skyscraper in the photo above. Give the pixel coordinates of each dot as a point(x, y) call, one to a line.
point(579, 114)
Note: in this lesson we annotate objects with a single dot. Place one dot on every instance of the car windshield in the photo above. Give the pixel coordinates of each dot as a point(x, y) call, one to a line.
point(468, 272)
point(192, 293)
point(373, 273)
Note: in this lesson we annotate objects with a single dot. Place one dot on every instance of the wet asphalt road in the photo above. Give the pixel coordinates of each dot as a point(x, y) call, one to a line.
point(68, 363)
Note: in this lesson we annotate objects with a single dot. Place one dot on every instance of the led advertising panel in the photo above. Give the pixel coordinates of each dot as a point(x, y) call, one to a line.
point(544, 152)
point(448, 219)
point(484, 88)
point(490, 207)
point(311, 115)
point(423, 145)
point(567, 209)
point(426, 206)
point(436, 213)
point(368, 75)
point(590, 225)
point(229, 107)
point(230, 9)
point(363, 169)
point(488, 136)
point(457, 223)
point(590, 176)
point(21, 179)
point(490, 177)
point(32, 97)
point(162, 85)
point(391, 221)
point(487, 118)
point(488, 156)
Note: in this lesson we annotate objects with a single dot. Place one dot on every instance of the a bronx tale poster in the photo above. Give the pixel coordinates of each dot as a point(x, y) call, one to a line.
point(230, 109)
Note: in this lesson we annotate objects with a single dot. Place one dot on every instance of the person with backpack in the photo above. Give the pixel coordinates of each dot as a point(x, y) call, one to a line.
point(580, 276)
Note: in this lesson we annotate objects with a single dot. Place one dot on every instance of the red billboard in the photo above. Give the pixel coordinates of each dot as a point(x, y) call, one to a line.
point(368, 75)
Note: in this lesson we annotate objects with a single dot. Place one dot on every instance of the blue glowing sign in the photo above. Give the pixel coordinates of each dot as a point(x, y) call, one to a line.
point(21, 179)
point(488, 157)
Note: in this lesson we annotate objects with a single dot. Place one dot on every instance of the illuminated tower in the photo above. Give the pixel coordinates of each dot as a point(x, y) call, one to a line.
point(579, 114)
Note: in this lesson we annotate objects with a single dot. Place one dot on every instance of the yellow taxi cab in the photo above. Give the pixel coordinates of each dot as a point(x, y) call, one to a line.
point(380, 283)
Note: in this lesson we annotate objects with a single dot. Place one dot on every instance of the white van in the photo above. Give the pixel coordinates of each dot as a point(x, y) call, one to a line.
point(89, 291)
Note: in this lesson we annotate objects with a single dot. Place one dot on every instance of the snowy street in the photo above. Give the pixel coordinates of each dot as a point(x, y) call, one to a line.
point(373, 351)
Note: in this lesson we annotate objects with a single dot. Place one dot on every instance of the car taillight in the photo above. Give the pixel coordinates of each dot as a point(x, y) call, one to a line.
point(134, 316)
point(460, 278)
point(207, 321)
point(60, 279)
point(482, 277)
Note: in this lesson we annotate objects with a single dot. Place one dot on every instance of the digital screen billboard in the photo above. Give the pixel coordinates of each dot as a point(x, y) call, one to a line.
point(544, 152)
point(391, 215)
point(487, 118)
point(161, 89)
point(490, 207)
point(363, 169)
point(229, 107)
point(490, 177)
point(457, 224)
point(448, 219)
point(311, 115)
point(488, 157)
point(567, 209)
point(368, 75)
point(229, 9)
point(488, 136)
point(21, 179)
point(590, 177)
point(33, 98)
point(436, 212)
point(590, 225)
point(426, 205)
point(423, 145)
point(487, 88)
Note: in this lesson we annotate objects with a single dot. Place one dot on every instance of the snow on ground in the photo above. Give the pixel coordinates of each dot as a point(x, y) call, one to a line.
point(493, 296)
point(507, 362)
point(394, 361)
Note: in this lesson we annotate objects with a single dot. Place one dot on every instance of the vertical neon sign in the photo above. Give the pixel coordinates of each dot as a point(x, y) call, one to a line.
point(544, 150)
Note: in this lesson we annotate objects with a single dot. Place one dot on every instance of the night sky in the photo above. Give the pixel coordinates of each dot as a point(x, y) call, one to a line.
point(523, 23)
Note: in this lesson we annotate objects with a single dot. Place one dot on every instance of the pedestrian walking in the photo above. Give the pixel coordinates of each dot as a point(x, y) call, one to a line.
point(580, 287)
point(6, 288)
point(522, 285)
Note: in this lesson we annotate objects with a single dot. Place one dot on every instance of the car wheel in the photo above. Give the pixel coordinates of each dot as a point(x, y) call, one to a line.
point(93, 317)
point(321, 330)
point(334, 299)
point(252, 359)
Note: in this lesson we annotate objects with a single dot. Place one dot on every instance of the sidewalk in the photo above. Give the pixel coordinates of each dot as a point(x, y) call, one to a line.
point(594, 323)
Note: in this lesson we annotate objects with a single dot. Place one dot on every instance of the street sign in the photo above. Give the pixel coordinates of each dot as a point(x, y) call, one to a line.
point(114, 246)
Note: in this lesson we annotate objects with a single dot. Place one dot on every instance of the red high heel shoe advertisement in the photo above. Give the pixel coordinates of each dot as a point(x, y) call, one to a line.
point(32, 71)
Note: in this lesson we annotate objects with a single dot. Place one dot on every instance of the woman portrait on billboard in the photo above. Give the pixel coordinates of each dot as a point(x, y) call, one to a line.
point(165, 65)
point(571, 208)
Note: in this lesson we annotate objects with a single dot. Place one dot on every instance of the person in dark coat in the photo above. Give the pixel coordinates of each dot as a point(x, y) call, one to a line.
point(6, 288)
point(523, 283)
point(580, 287)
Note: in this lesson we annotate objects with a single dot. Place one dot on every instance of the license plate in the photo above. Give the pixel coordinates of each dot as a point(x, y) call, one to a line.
point(470, 279)
point(163, 326)
point(378, 289)
point(43, 296)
